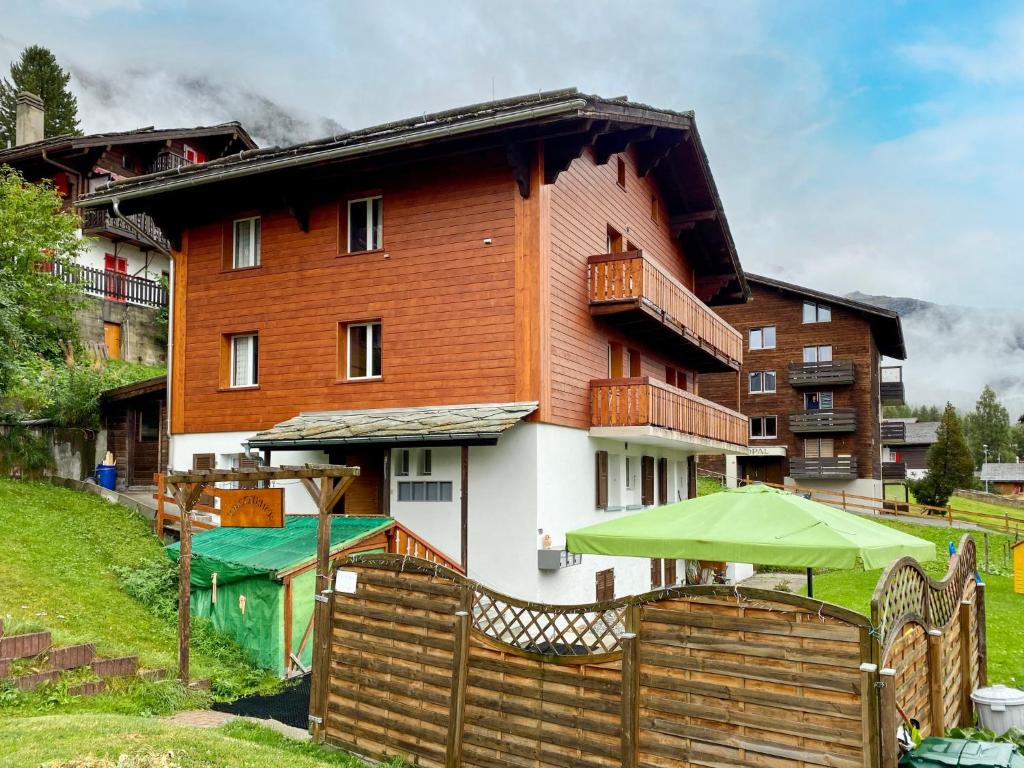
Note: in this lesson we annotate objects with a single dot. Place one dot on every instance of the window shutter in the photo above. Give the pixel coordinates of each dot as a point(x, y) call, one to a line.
point(655, 574)
point(691, 477)
point(204, 462)
point(601, 475)
point(647, 481)
point(663, 481)
point(248, 462)
point(605, 582)
point(670, 573)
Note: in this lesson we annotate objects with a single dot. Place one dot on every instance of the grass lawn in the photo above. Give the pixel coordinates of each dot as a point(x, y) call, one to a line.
point(969, 509)
point(57, 551)
point(98, 741)
point(1004, 608)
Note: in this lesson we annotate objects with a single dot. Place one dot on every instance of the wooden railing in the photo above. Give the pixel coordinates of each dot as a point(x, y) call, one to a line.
point(166, 161)
point(115, 286)
point(894, 431)
point(831, 372)
point(628, 277)
point(167, 510)
point(894, 470)
point(891, 388)
point(402, 541)
point(826, 467)
point(644, 401)
point(98, 220)
point(833, 420)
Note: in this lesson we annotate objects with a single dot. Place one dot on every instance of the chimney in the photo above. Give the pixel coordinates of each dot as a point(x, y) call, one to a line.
point(28, 124)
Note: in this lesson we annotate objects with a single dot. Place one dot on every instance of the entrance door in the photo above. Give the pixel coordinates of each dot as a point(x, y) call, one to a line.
point(762, 470)
point(366, 495)
point(112, 338)
point(145, 439)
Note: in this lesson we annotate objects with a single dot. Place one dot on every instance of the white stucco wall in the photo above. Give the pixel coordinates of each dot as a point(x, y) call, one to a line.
point(149, 264)
point(862, 486)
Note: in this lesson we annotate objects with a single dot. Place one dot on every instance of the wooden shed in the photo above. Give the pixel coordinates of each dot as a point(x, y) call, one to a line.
point(134, 417)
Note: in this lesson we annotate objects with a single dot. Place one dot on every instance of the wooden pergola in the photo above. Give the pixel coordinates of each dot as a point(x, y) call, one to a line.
point(188, 487)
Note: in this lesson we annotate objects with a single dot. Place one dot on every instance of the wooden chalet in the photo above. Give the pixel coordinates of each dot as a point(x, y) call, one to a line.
point(133, 419)
point(813, 384)
point(501, 313)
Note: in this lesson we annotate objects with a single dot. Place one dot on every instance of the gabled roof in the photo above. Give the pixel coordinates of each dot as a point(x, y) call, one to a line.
point(566, 121)
point(158, 384)
point(59, 144)
point(1003, 473)
point(423, 425)
point(885, 324)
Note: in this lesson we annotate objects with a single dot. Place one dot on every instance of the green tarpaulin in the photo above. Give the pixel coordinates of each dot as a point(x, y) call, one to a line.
point(753, 524)
point(247, 562)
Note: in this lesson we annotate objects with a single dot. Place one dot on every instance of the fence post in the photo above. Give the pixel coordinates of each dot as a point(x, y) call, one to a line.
point(935, 676)
point(457, 702)
point(979, 602)
point(631, 688)
point(966, 684)
point(888, 717)
point(869, 713)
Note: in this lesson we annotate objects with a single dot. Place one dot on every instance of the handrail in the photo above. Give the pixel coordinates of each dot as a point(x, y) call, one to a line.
point(115, 286)
point(407, 542)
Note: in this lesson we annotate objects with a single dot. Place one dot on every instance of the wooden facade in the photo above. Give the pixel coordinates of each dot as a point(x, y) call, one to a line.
point(135, 420)
point(850, 429)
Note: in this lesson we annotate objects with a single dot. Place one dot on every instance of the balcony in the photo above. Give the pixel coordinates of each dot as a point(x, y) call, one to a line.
point(100, 222)
point(825, 468)
point(632, 292)
point(891, 388)
point(833, 372)
point(894, 470)
point(166, 161)
point(894, 431)
point(114, 286)
point(636, 408)
point(834, 420)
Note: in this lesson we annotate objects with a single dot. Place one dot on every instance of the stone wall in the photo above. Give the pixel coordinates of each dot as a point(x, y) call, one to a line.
point(142, 338)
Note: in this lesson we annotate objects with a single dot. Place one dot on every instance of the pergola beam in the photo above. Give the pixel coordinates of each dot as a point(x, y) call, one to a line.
point(264, 473)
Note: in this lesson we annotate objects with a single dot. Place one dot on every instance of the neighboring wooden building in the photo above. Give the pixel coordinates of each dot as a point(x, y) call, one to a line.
point(1006, 479)
point(813, 386)
point(905, 448)
point(500, 313)
point(134, 418)
point(124, 263)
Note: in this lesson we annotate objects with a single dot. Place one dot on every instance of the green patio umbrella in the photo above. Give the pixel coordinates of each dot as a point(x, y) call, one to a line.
point(753, 524)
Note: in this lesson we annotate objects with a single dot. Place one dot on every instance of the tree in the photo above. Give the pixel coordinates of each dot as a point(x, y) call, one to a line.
point(920, 412)
point(989, 425)
point(38, 242)
point(949, 462)
point(38, 72)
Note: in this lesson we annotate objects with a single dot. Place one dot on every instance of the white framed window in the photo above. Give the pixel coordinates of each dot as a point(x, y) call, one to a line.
point(763, 427)
point(245, 359)
point(246, 245)
point(426, 462)
point(762, 338)
point(818, 354)
point(402, 463)
point(365, 224)
point(363, 350)
point(817, 401)
point(817, 313)
point(762, 382)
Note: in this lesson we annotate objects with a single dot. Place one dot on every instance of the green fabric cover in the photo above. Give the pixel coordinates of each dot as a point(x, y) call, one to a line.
point(753, 524)
point(247, 561)
point(938, 752)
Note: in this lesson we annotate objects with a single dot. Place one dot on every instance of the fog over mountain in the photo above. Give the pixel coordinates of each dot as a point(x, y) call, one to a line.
point(954, 351)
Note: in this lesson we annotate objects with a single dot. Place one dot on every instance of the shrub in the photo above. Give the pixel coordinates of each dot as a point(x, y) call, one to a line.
point(23, 449)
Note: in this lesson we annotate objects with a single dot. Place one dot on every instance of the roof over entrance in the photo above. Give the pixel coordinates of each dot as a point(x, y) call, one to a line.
point(237, 553)
point(422, 425)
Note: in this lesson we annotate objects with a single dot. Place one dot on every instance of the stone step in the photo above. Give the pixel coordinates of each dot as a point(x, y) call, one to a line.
point(152, 675)
point(24, 646)
point(202, 684)
point(124, 666)
point(88, 689)
point(34, 680)
point(72, 656)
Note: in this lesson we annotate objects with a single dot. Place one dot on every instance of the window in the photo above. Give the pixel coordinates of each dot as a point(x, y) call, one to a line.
point(814, 401)
point(763, 427)
point(425, 462)
point(363, 351)
point(245, 353)
point(149, 423)
point(629, 473)
point(620, 172)
point(614, 242)
point(402, 464)
point(425, 490)
point(819, 354)
point(762, 338)
point(817, 313)
point(601, 479)
point(655, 209)
point(819, 447)
point(605, 583)
point(762, 382)
point(246, 248)
point(192, 155)
point(365, 224)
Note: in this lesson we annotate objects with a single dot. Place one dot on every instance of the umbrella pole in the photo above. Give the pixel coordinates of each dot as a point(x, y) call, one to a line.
point(810, 582)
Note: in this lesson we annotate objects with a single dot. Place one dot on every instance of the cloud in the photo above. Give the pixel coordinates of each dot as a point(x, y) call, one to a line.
point(999, 60)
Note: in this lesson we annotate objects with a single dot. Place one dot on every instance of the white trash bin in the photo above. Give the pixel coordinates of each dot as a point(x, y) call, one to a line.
point(999, 708)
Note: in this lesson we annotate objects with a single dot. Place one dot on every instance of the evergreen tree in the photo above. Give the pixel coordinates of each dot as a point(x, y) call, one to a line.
point(950, 466)
point(38, 72)
point(989, 424)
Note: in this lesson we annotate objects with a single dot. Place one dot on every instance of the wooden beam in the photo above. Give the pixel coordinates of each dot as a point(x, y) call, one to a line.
point(519, 157)
point(684, 222)
point(651, 153)
point(559, 153)
point(341, 485)
point(465, 509)
point(614, 142)
point(263, 473)
point(187, 497)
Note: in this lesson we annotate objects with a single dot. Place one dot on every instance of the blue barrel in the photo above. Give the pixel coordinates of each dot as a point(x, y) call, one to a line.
point(106, 476)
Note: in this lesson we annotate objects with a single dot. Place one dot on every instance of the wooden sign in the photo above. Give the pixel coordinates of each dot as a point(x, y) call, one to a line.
point(251, 507)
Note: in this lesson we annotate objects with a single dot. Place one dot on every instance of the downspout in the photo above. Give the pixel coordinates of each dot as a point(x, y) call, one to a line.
point(66, 169)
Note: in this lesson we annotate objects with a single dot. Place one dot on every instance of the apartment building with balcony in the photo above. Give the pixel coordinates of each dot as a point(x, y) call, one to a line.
point(124, 264)
point(814, 379)
point(502, 314)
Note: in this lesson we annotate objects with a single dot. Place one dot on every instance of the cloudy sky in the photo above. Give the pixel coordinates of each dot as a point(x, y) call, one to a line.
point(875, 147)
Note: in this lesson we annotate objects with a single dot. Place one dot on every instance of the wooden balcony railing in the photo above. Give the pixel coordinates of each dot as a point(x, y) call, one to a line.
point(402, 541)
point(166, 161)
point(894, 431)
point(115, 286)
point(834, 420)
point(832, 467)
point(812, 374)
point(95, 220)
point(642, 401)
point(628, 280)
point(891, 389)
point(894, 470)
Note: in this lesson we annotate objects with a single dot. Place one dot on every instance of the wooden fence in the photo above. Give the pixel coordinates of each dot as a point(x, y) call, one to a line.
point(930, 637)
point(434, 669)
